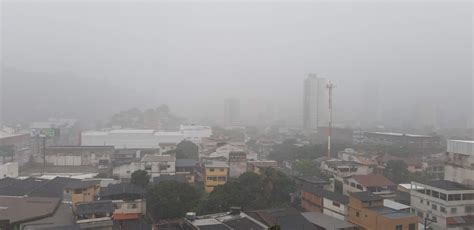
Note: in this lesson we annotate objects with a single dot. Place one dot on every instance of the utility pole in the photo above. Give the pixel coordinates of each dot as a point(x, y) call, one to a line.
point(330, 86)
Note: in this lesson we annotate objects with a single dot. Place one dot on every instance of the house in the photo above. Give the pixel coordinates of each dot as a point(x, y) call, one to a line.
point(128, 200)
point(76, 155)
point(95, 215)
point(375, 183)
point(366, 210)
point(317, 199)
point(81, 191)
point(339, 168)
point(285, 218)
point(187, 167)
point(233, 220)
point(215, 173)
point(165, 147)
point(257, 166)
point(447, 204)
point(19, 212)
point(237, 164)
point(157, 165)
point(326, 222)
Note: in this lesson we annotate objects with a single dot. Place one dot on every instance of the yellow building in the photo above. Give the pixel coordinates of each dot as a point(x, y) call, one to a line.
point(215, 173)
point(81, 191)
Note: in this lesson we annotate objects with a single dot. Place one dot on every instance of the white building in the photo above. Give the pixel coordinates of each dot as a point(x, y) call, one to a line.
point(195, 133)
point(449, 205)
point(9, 169)
point(157, 165)
point(339, 168)
point(460, 162)
point(130, 138)
point(224, 150)
point(315, 102)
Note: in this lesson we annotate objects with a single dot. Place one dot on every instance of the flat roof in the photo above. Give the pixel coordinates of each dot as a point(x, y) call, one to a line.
point(366, 196)
point(446, 185)
point(399, 134)
point(325, 221)
point(216, 164)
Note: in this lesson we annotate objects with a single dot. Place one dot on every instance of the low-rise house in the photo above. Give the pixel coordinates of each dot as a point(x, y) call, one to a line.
point(95, 215)
point(237, 164)
point(76, 155)
point(367, 210)
point(233, 220)
point(157, 165)
point(81, 191)
point(338, 168)
point(375, 183)
point(187, 167)
point(257, 166)
point(316, 199)
point(326, 222)
point(215, 173)
point(302, 181)
point(446, 204)
point(22, 187)
point(128, 200)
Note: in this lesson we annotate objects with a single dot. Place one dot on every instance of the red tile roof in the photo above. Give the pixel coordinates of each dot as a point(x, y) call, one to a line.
point(373, 180)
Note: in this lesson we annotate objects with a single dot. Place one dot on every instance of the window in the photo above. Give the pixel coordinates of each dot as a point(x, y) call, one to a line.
point(148, 167)
point(469, 209)
point(357, 214)
point(131, 206)
point(399, 227)
point(421, 201)
point(336, 204)
point(359, 187)
point(221, 178)
point(222, 170)
point(353, 185)
point(434, 219)
point(434, 207)
point(428, 203)
point(442, 209)
point(420, 214)
point(411, 227)
point(442, 196)
point(454, 210)
point(213, 178)
point(211, 170)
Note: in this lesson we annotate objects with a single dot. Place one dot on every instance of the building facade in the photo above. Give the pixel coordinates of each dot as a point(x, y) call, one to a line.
point(215, 173)
point(446, 204)
point(315, 102)
point(460, 162)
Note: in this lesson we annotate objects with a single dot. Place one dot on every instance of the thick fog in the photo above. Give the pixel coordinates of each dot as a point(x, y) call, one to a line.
point(89, 59)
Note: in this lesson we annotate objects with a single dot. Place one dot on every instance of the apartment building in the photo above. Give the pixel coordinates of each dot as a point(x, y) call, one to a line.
point(459, 165)
point(446, 204)
point(375, 183)
point(367, 210)
point(341, 168)
point(215, 173)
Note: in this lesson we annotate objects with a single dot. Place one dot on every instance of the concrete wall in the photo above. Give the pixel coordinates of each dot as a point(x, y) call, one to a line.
point(9, 169)
point(331, 209)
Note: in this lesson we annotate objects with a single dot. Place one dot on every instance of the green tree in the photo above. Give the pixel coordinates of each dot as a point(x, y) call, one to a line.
point(397, 171)
point(269, 189)
point(171, 199)
point(187, 150)
point(140, 178)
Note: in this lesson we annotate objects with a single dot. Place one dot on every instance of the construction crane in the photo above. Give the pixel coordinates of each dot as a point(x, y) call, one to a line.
point(330, 86)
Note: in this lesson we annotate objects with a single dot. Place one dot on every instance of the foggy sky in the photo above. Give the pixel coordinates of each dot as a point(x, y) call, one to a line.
point(193, 55)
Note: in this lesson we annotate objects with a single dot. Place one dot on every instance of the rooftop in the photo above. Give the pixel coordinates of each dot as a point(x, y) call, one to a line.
point(216, 164)
point(53, 188)
point(340, 198)
point(186, 162)
point(373, 180)
point(312, 179)
point(115, 190)
point(339, 163)
point(447, 185)
point(286, 218)
point(82, 184)
point(100, 206)
point(391, 213)
point(20, 209)
point(366, 196)
point(177, 177)
point(22, 187)
point(398, 134)
point(158, 158)
point(461, 146)
point(325, 221)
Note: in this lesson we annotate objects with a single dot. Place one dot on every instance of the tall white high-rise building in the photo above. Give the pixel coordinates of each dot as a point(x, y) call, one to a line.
point(316, 102)
point(231, 111)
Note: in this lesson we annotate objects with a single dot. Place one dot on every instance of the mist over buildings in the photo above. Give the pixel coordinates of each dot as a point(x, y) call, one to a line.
point(392, 62)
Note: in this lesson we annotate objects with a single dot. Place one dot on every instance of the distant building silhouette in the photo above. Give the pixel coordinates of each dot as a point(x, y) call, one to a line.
point(315, 107)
